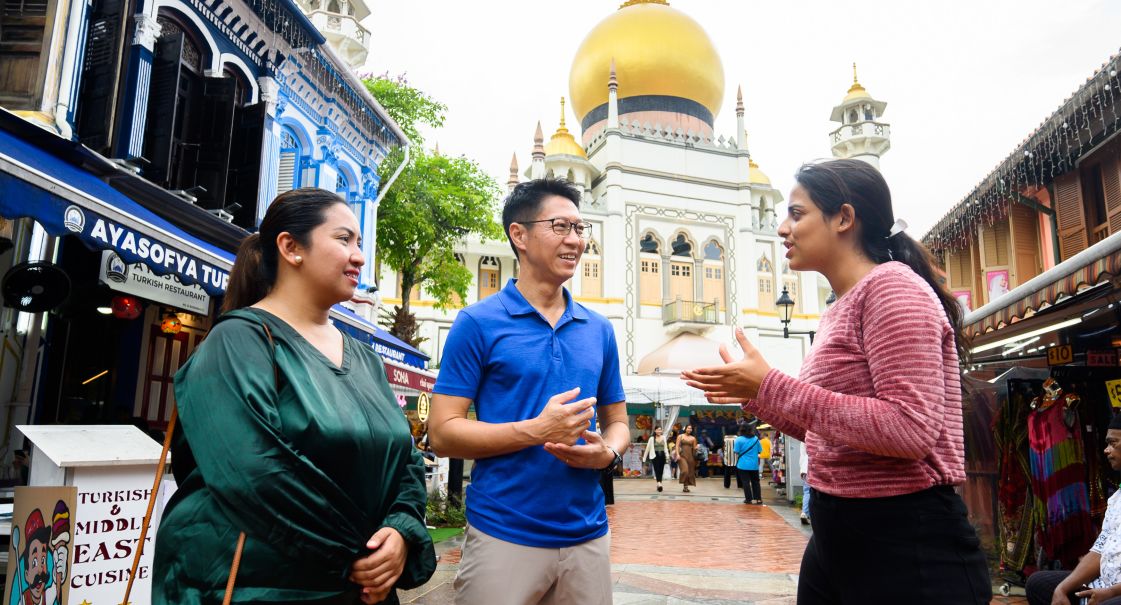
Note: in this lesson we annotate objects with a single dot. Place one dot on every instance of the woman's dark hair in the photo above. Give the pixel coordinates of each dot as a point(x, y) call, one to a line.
point(834, 183)
point(254, 272)
point(524, 202)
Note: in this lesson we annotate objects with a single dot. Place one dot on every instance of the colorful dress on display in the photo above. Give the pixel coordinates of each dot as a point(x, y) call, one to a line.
point(1014, 497)
point(1058, 473)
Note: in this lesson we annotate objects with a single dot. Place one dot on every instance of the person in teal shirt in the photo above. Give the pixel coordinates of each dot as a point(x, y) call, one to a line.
point(747, 448)
point(291, 434)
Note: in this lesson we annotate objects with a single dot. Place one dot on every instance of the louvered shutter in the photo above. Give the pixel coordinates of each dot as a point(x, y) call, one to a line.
point(245, 163)
point(163, 105)
point(214, 137)
point(1070, 214)
point(101, 75)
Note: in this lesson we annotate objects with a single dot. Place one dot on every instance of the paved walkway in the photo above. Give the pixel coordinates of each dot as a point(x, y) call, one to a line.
point(705, 547)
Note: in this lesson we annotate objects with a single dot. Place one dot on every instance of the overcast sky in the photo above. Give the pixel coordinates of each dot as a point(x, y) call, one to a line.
point(965, 81)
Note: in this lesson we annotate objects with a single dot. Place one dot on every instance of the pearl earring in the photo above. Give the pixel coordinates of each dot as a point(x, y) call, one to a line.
point(299, 259)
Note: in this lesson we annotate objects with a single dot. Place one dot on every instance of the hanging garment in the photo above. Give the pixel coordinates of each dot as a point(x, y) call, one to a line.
point(1015, 518)
point(1059, 481)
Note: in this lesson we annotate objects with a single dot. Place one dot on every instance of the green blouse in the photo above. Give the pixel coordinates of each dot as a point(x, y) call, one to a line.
point(309, 473)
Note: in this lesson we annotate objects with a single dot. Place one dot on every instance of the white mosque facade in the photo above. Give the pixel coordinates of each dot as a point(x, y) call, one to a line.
point(684, 244)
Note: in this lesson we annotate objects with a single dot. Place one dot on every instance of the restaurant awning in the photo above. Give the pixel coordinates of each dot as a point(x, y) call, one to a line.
point(385, 344)
point(66, 199)
point(1094, 266)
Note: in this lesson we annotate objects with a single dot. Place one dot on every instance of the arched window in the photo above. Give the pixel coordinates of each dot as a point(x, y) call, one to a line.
point(333, 7)
point(681, 269)
point(650, 270)
point(342, 186)
point(713, 284)
point(765, 272)
point(591, 286)
point(790, 282)
point(288, 174)
point(489, 273)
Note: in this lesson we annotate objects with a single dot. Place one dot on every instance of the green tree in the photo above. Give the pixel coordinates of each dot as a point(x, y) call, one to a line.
point(435, 204)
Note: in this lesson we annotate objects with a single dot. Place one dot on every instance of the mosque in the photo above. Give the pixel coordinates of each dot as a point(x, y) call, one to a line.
point(684, 243)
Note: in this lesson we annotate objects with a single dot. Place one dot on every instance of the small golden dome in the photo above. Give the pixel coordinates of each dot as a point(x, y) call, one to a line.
point(856, 91)
point(756, 176)
point(658, 51)
point(562, 142)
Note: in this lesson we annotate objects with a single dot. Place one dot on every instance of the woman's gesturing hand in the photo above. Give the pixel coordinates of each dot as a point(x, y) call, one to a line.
point(735, 381)
point(378, 572)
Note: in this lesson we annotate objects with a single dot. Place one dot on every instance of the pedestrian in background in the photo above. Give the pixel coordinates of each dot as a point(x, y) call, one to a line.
point(747, 448)
point(333, 510)
point(686, 459)
point(728, 455)
point(878, 402)
point(807, 491)
point(540, 369)
point(672, 441)
point(656, 451)
point(764, 452)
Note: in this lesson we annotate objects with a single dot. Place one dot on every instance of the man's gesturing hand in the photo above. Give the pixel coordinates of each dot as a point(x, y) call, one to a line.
point(563, 422)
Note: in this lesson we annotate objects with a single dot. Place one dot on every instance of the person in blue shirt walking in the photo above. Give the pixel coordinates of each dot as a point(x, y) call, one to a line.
point(539, 368)
point(747, 449)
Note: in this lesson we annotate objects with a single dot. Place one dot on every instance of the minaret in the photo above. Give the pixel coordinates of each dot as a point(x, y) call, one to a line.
point(861, 135)
point(612, 98)
point(513, 180)
point(741, 134)
point(537, 165)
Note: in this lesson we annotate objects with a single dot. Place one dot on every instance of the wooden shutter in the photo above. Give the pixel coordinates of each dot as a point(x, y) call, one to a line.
point(1111, 186)
point(163, 106)
point(1025, 243)
point(101, 74)
point(1071, 216)
point(245, 163)
point(213, 137)
point(24, 26)
point(959, 263)
point(995, 244)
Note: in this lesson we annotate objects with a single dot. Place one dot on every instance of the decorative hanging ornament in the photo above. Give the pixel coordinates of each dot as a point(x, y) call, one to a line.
point(126, 307)
point(171, 324)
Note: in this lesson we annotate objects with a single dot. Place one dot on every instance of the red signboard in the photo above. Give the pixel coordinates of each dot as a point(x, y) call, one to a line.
point(402, 376)
point(1106, 358)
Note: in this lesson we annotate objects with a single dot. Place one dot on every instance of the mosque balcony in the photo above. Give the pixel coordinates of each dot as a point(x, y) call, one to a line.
point(860, 130)
point(345, 34)
point(690, 313)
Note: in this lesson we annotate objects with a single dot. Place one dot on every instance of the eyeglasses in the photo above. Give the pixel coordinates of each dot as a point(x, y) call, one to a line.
point(562, 227)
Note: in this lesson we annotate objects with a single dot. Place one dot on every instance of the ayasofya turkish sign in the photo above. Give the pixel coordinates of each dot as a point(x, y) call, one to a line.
point(134, 247)
point(138, 279)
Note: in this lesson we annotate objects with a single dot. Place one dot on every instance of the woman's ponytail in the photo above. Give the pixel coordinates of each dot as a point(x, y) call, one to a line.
point(248, 280)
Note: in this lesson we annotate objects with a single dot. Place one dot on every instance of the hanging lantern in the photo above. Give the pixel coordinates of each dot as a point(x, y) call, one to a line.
point(126, 307)
point(171, 324)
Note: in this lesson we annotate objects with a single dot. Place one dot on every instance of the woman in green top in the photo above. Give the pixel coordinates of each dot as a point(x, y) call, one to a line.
point(292, 435)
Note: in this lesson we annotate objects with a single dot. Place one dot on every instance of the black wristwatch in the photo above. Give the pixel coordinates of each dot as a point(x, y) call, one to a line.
point(614, 463)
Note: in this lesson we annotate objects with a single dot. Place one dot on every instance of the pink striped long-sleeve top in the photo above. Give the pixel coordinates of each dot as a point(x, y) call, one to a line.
point(878, 400)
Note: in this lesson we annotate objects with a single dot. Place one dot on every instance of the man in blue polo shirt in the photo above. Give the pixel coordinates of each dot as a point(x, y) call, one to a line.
point(535, 364)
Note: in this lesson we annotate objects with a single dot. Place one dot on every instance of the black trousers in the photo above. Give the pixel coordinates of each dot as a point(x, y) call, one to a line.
point(750, 482)
point(729, 472)
point(1042, 584)
point(659, 466)
point(917, 548)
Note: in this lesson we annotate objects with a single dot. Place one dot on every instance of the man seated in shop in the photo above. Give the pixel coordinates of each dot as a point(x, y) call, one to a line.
point(1097, 577)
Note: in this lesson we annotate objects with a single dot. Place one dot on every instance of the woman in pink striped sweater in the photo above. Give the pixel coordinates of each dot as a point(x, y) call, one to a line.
point(877, 402)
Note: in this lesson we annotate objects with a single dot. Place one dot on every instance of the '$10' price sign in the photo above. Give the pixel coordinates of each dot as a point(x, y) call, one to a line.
point(1060, 355)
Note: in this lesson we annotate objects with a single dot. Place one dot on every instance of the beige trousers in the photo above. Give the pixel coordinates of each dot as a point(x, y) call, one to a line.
point(496, 572)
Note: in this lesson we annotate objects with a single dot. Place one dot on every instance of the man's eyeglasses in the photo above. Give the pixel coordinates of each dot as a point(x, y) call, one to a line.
point(562, 227)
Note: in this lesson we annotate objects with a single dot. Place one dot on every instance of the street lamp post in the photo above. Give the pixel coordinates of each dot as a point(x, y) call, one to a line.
point(786, 309)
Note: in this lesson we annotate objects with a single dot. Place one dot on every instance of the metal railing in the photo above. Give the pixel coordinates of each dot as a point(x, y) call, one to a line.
point(692, 311)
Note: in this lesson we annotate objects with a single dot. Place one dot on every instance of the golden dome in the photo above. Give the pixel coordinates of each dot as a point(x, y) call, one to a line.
point(562, 142)
point(856, 91)
point(756, 176)
point(658, 50)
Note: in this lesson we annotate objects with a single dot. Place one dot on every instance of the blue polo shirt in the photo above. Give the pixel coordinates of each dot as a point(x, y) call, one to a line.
point(503, 355)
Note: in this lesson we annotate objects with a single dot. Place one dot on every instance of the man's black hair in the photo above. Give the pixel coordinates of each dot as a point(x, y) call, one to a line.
point(524, 202)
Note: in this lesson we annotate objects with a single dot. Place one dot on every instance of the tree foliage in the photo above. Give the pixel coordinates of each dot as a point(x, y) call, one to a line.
point(408, 106)
point(435, 204)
